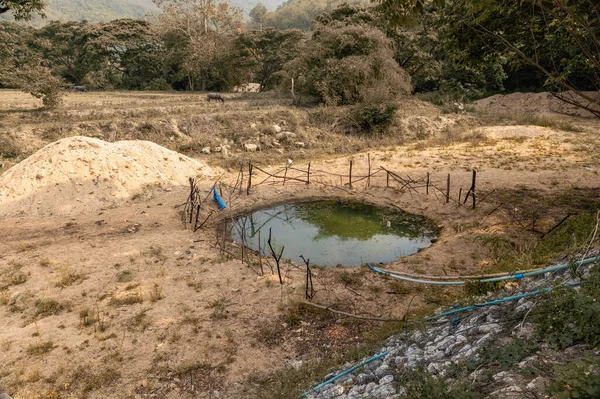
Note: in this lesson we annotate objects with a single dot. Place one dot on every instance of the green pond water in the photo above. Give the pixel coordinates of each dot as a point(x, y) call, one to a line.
point(331, 233)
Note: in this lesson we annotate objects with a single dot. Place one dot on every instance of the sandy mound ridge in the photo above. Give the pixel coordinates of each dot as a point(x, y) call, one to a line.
point(78, 175)
point(532, 103)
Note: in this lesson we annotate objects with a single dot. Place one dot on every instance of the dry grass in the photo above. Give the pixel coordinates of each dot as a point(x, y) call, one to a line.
point(68, 277)
point(127, 299)
point(40, 348)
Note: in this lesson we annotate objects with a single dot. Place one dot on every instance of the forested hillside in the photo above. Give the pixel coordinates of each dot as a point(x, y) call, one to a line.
point(107, 10)
point(97, 10)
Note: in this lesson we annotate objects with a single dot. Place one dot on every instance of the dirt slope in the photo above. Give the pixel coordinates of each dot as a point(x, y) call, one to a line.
point(542, 103)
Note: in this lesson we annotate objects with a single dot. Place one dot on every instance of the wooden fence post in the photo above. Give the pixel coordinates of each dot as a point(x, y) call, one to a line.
point(448, 189)
point(473, 186)
point(308, 174)
point(427, 186)
point(249, 178)
point(369, 175)
point(471, 190)
point(350, 175)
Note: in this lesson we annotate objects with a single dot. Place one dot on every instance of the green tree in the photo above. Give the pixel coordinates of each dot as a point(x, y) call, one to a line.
point(68, 50)
point(266, 51)
point(297, 14)
point(257, 16)
point(23, 67)
point(559, 39)
point(133, 53)
point(198, 35)
point(22, 9)
point(347, 64)
point(38, 81)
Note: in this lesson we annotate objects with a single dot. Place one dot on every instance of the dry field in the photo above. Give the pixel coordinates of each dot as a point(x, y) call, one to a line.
point(118, 299)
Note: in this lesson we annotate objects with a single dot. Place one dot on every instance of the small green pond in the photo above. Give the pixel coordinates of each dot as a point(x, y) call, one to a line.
point(331, 232)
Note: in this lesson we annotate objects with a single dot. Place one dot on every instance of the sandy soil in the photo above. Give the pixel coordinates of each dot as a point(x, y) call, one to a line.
point(123, 301)
point(79, 175)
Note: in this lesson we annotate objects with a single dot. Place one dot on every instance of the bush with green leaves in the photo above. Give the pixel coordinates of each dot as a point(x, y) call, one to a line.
point(372, 117)
point(420, 384)
point(577, 379)
point(38, 81)
point(567, 316)
point(347, 64)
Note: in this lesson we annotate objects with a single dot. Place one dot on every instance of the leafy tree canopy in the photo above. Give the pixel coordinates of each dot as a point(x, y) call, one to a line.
point(347, 64)
point(266, 51)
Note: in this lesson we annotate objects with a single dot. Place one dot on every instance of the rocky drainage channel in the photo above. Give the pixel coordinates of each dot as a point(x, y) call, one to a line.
point(449, 341)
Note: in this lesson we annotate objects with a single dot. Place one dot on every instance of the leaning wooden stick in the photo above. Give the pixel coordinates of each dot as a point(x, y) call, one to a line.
point(309, 290)
point(276, 257)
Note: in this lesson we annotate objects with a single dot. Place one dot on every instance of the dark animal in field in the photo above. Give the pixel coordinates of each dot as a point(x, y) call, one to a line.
point(215, 96)
point(80, 89)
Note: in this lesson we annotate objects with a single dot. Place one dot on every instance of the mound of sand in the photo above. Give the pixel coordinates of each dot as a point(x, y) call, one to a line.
point(542, 103)
point(77, 175)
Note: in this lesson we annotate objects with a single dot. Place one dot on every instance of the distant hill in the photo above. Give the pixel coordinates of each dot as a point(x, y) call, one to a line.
point(106, 10)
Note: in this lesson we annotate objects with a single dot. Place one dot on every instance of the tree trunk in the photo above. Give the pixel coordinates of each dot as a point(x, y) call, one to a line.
point(190, 82)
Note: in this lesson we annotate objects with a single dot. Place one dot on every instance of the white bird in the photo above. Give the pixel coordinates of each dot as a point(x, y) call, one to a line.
point(289, 163)
point(388, 224)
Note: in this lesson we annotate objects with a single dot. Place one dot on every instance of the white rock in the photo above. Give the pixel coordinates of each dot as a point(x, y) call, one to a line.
point(277, 128)
point(538, 384)
point(205, 150)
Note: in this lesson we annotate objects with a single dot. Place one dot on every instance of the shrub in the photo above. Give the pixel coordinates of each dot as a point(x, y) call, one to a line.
point(372, 117)
point(508, 356)
point(577, 379)
point(420, 384)
point(47, 307)
point(566, 316)
point(345, 65)
point(38, 81)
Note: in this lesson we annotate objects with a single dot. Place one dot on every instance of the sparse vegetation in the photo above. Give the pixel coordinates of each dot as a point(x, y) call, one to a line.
point(219, 308)
point(156, 293)
point(68, 277)
point(124, 276)
point(127, 299)
point(47, 307)
point(40, 348)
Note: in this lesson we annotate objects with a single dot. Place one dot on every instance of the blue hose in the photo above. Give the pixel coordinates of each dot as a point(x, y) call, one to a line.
point(351, 369)
point(540, 271)
point(517, 276)
point(217, 197)
point(497, 301)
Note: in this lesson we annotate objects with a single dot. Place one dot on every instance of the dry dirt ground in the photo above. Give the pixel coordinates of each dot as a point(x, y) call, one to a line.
point(120, 300)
